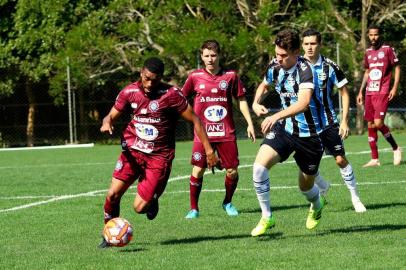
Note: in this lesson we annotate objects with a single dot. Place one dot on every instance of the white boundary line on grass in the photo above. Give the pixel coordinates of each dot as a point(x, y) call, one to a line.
point(85, 145)
point(54, 198)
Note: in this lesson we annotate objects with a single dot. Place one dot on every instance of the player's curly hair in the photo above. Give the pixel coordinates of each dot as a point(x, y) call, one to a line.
point(210, 44)
point(288, 40)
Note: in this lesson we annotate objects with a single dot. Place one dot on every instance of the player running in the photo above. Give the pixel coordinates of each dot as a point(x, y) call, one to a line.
point(293, 129)
point(213, 89)
point(328, 74)
point(148, 140)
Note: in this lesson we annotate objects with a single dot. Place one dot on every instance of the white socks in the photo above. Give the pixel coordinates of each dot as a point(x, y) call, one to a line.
point(262, 186)
point(349, 179)
point(312, 195)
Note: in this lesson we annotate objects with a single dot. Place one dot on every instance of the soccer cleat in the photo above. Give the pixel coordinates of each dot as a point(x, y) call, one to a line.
point(358, 205)
point(153, 209)
point(372, 163)
point(230, 209)
point(397, 156)
point(314, 216)
point(104, 244)
point(192, 214)
point(263, 224)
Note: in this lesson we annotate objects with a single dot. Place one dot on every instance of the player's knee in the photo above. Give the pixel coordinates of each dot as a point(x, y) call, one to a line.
point(341, 161)
point(232, 173)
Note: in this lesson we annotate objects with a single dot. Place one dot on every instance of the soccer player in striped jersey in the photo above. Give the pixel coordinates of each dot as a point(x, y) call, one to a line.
point(295, 128)
point(328, 74)
point(379, 61)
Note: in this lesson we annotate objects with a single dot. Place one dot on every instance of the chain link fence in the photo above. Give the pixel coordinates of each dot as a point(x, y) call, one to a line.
point(51, 122)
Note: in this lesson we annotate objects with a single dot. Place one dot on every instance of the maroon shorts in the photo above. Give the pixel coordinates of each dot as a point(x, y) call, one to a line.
point(375, 107)
point(152, 173)
point(226, 151)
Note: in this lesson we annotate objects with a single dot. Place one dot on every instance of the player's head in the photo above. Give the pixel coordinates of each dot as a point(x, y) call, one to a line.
point(287, 48)
point(210, 54)
point(311, 43)
point(374, 35)
point(151, 73)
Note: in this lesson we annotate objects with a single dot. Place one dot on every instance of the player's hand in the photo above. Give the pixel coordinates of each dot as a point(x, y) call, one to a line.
point(392, 94)
point(107, 127)
point(259, 109)
point(268, 123)
point(212, 160)
point(344, 131)
point(360, 98)
point(251, 132)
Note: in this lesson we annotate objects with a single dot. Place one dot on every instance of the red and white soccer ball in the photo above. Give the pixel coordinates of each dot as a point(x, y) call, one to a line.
point(118, 232)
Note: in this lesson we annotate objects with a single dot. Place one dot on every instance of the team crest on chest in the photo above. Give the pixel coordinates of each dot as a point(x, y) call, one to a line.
point(322, 76)
point(153, 106)
point(223, 85)
point(291, 81)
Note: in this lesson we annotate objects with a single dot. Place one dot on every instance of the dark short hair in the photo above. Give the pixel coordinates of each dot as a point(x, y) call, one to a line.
point(312, 32)
point(288, 40)
point(154, 65)
point(210, 44)
point(374, 26)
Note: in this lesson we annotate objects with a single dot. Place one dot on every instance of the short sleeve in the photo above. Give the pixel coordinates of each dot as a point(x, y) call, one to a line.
point(188, 87)
point(177, 100)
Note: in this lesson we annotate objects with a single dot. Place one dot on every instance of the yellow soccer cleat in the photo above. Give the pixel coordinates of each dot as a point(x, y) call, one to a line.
point(314, 216)
point(264, 224)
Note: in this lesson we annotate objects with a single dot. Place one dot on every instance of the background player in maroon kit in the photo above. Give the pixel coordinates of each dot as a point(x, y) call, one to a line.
point(148, 140)
point(379, 60)
point(213, 89)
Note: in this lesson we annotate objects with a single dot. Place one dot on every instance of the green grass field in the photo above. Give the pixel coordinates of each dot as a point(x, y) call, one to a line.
point(51, 215)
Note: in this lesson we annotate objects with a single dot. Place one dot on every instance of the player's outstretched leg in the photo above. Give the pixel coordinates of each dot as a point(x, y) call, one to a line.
point(348, 176)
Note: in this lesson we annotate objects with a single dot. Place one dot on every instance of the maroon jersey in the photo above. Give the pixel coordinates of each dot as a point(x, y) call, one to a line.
point(154, 117)
point(213, 101)
point(380, 63)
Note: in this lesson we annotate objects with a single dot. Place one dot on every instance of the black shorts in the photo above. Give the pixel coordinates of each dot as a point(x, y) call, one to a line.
point(308, 150)
point(332, 141)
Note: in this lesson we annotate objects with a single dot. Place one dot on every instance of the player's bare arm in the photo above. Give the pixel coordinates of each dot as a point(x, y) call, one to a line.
point(108, 121)
point(302, 104)
point(260, 94)
point(246, 113)
point(394, 89)
point(344, 129)
point(190, 116)
point(360, 97)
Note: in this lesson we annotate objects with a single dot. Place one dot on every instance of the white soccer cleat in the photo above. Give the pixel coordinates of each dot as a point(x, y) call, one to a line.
point(358, 205)
point(372, 163)
point(397, 156)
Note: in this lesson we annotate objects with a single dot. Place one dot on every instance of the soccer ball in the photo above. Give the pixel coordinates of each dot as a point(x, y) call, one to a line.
point(118, 232)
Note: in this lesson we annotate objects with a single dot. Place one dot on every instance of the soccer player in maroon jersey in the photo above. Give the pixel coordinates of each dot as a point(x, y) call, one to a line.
point(148, 140)
point(379, 60)
point(213, 89)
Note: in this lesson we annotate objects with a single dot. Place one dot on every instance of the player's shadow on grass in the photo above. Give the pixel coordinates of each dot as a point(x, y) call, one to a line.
point(369, 228)
point(197, 239)
point(274, 208)
point(128, 250)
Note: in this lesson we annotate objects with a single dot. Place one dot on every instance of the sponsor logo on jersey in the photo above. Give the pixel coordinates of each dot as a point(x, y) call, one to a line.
point(153, 106)
point(375, 74)
point(377, 64)
point(143, 146)
point(146, 132)
point(322, 76)
point(197, 156)
point(213, 99)
point(214, 90)
point(374, 58)
point(215, 113)
point(147, 120)
point(202, 86)
point(132, 90)
point(312, 167)
point(338, 147)
point(215, 129)
point(143, 111)
point(223, 85)
point(381, 55)
point(288, 94)
point(134, 105)
point(369, 57)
